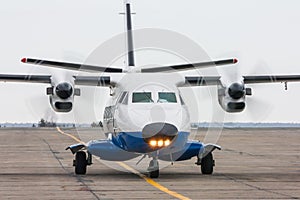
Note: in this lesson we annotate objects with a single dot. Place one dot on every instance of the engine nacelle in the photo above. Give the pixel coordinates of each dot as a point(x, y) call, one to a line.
point(61, 96)
point(232, 99)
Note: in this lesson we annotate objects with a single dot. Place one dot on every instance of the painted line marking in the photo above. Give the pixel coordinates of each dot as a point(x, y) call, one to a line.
point(130, 169)
point(71, 136)
point(153, 183)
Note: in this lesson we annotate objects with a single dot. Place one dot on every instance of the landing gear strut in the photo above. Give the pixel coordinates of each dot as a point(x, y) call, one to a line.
point(207, 164)
point(153, 168)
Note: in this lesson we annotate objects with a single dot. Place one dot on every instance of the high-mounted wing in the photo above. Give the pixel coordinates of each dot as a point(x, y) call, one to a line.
point(78, 80)
point(271, 78)
point(183, 67)
point(202, 80)
point(93, 80)
point(61, 92)
point(214, 80)
point(25, 78)
point(71, 66)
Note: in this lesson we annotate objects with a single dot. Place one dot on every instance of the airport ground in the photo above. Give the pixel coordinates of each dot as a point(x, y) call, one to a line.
point(254, 164)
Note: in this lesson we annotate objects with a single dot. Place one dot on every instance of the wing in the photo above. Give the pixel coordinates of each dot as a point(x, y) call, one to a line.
point(214, 80)
point(71, 66)
point(202, 80)
point(271, 78)
point(25, 78)
point(93, 80)
point(184, 67)
point(79, 80)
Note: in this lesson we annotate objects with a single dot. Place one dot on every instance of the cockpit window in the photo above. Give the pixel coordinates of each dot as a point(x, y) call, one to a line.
point(167, 97)
point(141, 97)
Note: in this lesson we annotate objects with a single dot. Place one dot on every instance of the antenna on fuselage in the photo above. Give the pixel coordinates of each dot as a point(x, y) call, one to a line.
point(130, 47)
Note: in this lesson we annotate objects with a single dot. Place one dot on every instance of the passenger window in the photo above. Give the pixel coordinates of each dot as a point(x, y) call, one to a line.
point(167, 97)
point(141, 97)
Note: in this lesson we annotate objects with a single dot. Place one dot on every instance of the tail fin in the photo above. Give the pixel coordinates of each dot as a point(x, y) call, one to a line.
point(129, 34)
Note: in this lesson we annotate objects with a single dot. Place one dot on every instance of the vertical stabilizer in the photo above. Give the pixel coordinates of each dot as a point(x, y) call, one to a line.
point(129, 34)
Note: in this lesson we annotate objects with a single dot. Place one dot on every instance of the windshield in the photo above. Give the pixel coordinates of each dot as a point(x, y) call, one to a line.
point(167, 97)
point(141, 97)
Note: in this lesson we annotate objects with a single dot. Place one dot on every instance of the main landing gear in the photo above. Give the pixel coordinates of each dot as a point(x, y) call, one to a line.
point(81, 162)
point(153, 168)
point(207, 164)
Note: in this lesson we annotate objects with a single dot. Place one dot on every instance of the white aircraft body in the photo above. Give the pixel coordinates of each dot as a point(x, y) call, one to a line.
point(146, 115)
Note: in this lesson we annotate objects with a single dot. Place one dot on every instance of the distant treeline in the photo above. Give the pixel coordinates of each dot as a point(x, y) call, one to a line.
point(45, 123)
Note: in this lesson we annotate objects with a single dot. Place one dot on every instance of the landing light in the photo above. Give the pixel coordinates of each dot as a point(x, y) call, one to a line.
point(167, 142)
point(153, 143)
point(159, 143)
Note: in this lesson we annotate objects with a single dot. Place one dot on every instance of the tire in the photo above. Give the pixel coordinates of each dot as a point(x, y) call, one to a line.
point(154, 171)
point(154, 174)
point(207, 164)
point(80, 163)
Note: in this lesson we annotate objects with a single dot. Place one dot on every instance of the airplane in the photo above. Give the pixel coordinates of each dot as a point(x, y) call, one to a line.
point(143, 119)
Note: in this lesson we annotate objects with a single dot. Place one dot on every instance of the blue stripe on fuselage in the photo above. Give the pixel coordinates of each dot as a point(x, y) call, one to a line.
point(134, 142)
point(191, 149)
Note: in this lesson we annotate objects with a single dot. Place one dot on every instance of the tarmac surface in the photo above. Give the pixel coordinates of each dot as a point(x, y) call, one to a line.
point(253, 164)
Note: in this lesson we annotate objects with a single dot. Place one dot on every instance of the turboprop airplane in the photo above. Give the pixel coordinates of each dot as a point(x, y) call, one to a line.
point(143, 119)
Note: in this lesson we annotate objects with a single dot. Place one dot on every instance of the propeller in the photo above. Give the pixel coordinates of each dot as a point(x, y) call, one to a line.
point(257, 108)
point(38, 101)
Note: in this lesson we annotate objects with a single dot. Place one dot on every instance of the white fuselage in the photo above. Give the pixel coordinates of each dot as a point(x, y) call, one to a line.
point(142, 99)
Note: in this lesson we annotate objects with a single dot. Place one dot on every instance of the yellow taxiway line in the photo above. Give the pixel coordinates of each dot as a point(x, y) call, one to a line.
point(153, 183)
point(69, 135)
point(130, 169)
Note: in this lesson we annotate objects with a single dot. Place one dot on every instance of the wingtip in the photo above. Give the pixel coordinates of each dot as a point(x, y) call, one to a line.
point(24, 60)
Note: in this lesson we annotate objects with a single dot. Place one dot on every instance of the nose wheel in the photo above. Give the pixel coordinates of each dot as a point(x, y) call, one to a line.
point(153, 169)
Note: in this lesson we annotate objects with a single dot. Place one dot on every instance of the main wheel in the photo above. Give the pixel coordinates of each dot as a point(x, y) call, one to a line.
point(80, 162)
point(207, 164)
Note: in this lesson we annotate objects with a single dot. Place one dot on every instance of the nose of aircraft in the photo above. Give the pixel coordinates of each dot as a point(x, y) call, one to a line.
point(159, 134)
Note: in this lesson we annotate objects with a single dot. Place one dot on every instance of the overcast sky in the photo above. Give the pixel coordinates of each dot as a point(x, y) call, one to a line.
point(263, 34)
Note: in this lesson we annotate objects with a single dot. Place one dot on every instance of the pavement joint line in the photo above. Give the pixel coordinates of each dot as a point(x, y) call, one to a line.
point(127, 167)
point(259, 188)
point(77, 177)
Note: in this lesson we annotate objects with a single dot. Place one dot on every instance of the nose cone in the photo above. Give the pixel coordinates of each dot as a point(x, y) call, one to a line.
point(159, 134)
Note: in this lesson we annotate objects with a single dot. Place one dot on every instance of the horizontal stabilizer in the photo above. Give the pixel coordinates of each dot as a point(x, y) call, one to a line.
point(190, 66)
point(71, 66)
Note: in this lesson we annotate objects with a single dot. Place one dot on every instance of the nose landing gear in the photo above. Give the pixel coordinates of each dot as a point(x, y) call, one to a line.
point(153, 168)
